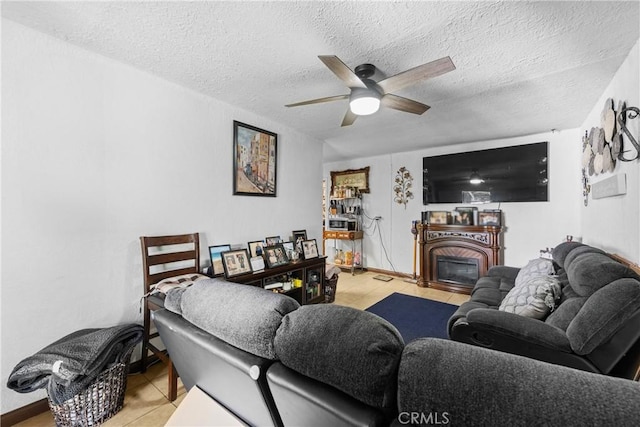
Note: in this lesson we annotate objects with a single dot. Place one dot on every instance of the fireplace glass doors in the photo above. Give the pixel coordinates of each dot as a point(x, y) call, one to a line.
point(457, 270)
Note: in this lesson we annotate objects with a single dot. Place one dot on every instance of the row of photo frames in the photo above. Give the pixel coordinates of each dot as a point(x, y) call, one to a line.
point(271, 251)
point(464, 216)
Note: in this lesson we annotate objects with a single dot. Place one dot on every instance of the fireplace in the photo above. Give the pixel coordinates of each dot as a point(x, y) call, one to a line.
point(457, 270)
point(453, 257)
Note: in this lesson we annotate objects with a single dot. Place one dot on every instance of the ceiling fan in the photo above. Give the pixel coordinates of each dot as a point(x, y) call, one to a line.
point(367, 95)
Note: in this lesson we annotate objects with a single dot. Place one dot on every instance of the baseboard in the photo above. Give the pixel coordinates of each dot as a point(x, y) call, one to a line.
point(24, 413)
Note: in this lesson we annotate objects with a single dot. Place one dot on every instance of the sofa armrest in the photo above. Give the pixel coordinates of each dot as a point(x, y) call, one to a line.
point(503, 271)
point(467, 385)
point(517, 327)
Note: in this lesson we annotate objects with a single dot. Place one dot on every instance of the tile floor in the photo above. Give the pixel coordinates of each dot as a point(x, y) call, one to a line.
point(146, 401)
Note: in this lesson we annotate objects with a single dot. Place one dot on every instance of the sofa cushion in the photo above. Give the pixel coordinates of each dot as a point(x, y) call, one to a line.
point(535, 298)
point(584, 249)
point(352, 350)
point(489, 296)
point(589, 272)
point(602, 314)
point(566, 311)
point(246, 317)
point(561, 251)
point(534, 268)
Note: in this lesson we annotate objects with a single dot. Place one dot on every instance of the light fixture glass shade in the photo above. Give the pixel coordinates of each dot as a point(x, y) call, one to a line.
point(364, 102)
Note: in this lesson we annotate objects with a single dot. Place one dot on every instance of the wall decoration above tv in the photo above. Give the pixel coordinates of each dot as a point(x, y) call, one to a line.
point(508, 174)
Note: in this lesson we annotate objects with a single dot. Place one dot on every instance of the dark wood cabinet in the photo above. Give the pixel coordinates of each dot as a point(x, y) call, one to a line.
point(308, 273)
point(452, 257)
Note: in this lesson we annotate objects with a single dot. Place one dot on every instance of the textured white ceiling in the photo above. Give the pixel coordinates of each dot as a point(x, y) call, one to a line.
point(522, 67)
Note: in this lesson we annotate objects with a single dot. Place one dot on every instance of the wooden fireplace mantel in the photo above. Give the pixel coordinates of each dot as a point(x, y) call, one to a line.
point(478, 242)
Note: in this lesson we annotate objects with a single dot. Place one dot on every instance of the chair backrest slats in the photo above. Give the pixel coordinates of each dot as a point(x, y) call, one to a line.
point(165, 257)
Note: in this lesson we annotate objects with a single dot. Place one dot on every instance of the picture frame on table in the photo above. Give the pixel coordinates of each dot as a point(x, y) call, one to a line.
point(299, 235)
point(273, 240)
point(236, 263)
point(439, 217)
point(275, 255)
point(217, 269)
point(254, 161)
point(490, 218)
point(256, 248)
point(463, 216)
point(309, 249)
point(289, 248)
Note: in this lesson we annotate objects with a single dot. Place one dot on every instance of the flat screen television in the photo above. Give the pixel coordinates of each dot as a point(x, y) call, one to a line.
point(508, 174)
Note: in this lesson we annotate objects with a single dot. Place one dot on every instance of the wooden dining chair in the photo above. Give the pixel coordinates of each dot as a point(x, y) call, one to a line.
point(164, 257)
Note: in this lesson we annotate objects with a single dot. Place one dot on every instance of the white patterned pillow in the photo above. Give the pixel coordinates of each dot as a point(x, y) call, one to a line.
point(535, 298)
point(535, 267)
point(164, 286)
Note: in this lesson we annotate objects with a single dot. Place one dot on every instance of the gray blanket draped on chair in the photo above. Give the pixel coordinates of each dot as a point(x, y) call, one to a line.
point(70, 364)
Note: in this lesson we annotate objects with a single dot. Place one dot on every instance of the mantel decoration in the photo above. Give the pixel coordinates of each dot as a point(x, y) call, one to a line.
point(254, 161)
point(402, 187)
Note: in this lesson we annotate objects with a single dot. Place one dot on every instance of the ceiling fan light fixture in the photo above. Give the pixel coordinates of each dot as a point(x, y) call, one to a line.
point(364, 101)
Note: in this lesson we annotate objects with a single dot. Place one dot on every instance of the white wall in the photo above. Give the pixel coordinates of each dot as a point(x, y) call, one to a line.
point(529, 227)
point(96, 154)
point(613, 223)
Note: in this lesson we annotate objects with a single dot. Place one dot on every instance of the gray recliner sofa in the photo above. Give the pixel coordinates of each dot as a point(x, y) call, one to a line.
point(595, 326)
point(273, 363)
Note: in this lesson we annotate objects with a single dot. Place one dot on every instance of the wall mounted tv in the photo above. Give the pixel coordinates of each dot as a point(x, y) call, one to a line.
point(508, 174)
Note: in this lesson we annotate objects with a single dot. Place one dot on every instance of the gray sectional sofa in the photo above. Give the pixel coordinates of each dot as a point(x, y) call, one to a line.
point(272, 362)
point(594, 326)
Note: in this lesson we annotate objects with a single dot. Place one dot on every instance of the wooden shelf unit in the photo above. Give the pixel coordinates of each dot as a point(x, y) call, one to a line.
point(310, 271)
point(353, 237)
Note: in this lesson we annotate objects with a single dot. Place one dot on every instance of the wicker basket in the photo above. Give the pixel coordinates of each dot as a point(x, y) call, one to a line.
point(330, 287)
point(101, 400)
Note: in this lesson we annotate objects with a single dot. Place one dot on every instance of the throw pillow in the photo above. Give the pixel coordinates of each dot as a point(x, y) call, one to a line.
point(536, 298)
point(535, 267)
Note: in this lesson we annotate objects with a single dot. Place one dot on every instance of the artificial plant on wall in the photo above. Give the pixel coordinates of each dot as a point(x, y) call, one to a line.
point(402, 187)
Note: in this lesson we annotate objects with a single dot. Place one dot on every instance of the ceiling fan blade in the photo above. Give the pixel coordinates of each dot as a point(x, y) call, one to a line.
point(319, 100)
point(349, 118)
point(343, 72)
point(403, 104)
point(421, 72)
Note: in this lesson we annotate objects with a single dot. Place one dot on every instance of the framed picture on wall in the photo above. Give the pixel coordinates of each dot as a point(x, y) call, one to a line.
point(254, 161)
point(352, 178)
point(236, 263)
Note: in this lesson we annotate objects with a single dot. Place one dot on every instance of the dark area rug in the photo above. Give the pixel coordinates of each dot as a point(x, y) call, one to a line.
point(415, 317)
